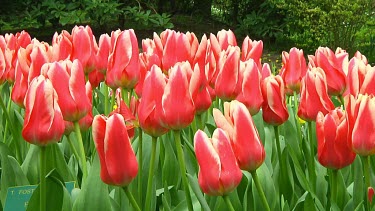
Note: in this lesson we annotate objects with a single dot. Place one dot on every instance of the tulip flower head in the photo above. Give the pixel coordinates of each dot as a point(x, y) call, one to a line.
point(332, 135)
point(117, 159)
point(219, 173)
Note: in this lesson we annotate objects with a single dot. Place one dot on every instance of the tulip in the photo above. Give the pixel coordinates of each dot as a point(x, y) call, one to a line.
point(2, 66)
point(274, 105)
point(360, 77)
point(43, 122)
point(177, 48)
point(252, 49)
point(226, 84)
point(361, 118)
point(294, 69)
point(69, 81)
point(332, 136)
point(83, 42)
point(226, 38)
point(333, 66)
point(62, 46)
point(177, 103)
point(219, 173)
point(251, 93)
point(243, 135)
point(150, 107)
point(103, 53)
point(123, 62)
point(199, 91)
point(314, 96)
point(117, 159)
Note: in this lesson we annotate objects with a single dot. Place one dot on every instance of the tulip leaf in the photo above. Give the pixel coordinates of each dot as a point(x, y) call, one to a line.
point(268, 188)
point(342, 193)
point(57, 161)
point(170, 168)
point(358, 185)
point(259, 123)
point(298, 169)
point(94, 193)
point(321, 184)
point(197, 191)
point(58, 197)
point(31, 164)
point(11, 173)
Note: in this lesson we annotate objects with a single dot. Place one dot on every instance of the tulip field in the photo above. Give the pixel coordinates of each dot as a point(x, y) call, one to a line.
point(96, 122)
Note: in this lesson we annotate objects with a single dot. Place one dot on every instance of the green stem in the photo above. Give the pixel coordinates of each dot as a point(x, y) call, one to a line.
point(199, 121)
point(106, 96)
point(366, 171)
point(43, 200)
point(312, 158)
point(150, 174)
point(71, 145)
point(228, 202)
point(182, 165)
point(140, 163)
point(296, 118)
point(260, 190)
point(334, 186)
point(131, 198)
point(77, 130)
point(276, 130)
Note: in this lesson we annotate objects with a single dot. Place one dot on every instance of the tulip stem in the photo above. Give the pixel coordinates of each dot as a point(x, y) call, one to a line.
point(131, 198)
point(296, 118)
point(228, 202)
point(278, 148)
point(366, 171)
point(342, 101)
point(43, 178)
point(113, 98)
point(334, 185)
point(140, 163)
point(311, 165)
point(82, 151)
point(199, 121)
point(106, 103)
point(72, 147)
point(150, 174)
point(182, 165)
point(260, 190)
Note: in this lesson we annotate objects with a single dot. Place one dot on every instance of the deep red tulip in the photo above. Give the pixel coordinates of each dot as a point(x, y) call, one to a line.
point(43, 123)
point(69, 82)
point(252, 49)
point(177, 103)
point(274, 107)
point(150, 107)
point(333, 65)
point(370, 194)
point(251, 93)
point(244, 137)
point(294, 69)
point(123, 62)
point(227, 81)
point(361, 118)
point(314, 96)
point(118, 164)
point(332, 136)
point(219, 173)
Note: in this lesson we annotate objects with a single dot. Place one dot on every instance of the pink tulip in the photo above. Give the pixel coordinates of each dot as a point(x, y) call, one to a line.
point(252, 49)
point(294, 69)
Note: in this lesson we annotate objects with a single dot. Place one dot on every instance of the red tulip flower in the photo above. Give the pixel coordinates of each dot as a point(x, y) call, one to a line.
point(360, 77)
point(243, 135)
point(314, 96)
point(332, 135)
point(43, 123)
point(219, 173)
point(103, 53)
point(226, 38)
point(252, 49)
point(118, 164)
point(177, 48)
point(361, 118)
point(123, 62)
point(83, 42)
point(227, 80)
point(274, 107)
point(294, 68)
point(177, 103)
point(62, 46)
point(251, 93)
point(150, 107)
point(333, 65)
point(69, 81)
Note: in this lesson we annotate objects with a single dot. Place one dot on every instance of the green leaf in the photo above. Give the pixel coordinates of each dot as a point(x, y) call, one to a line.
point(197, 191)
point(57, 161)
point(11, 173)
point(30, 165)
point(171, 168)
point(268, 187)
point(358, 187)
point(58, 197)
point(94, 193)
